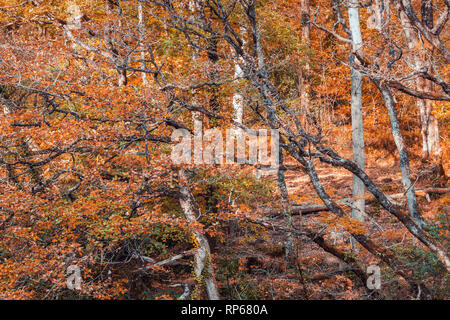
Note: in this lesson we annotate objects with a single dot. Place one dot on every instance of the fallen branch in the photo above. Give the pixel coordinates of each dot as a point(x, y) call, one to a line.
point(167, 262)
point(186, 291)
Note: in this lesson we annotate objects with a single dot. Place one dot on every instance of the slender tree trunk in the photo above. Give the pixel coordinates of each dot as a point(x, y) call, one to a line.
point(380, 14)
point(410, 192)
point(335, 160)
point(287, 209)
point(213, 58)
point(287, 212)
point(141, 36)
point(358, 207)
point(304, 84)
point(238, 99)
point(238, 103)
point(122, 72)
point(197, 117)
point(202, 259)
point(431, 148)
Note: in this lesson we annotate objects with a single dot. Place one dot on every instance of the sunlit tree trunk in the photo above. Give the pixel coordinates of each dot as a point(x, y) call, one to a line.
point(403, 153)
point(358, 207)
point(431, 148)
point(304, 85)
point(203, 268)
point(238, 99)
point(380, 14)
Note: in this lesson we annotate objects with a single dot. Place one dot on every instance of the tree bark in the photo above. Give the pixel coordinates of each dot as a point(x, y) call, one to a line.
point(141, 37)
point(431, 148)
point(304, 85)
point(202, 258)
point(358, 208)
point(411, 198)
point(287, 212)
point(431, 35)
point(117, 60)
point(281, 181)
point(238, 99)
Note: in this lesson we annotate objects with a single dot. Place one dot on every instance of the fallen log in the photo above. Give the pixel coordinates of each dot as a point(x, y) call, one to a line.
point(298, 210)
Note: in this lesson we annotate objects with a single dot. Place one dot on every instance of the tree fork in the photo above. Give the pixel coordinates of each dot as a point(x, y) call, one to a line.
point(202, 257)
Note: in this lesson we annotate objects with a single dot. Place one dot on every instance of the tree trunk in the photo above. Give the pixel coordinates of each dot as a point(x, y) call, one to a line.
point(358, 207)
point(342, 255)
point(380, 13)
point(122, 72)
point(141, 36)
point(410, 192)
point(304, 85)
point(287, 209)
point(238, 99)
point(431, 148)
point(202, 259)
point(213, 58)
point(287, 212)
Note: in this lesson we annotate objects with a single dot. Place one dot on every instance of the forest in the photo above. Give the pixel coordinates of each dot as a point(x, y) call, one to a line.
point(224, 150)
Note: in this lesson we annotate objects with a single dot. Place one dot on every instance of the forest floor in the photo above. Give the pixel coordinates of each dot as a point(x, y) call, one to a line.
point(317, 274)
point(250, 263)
